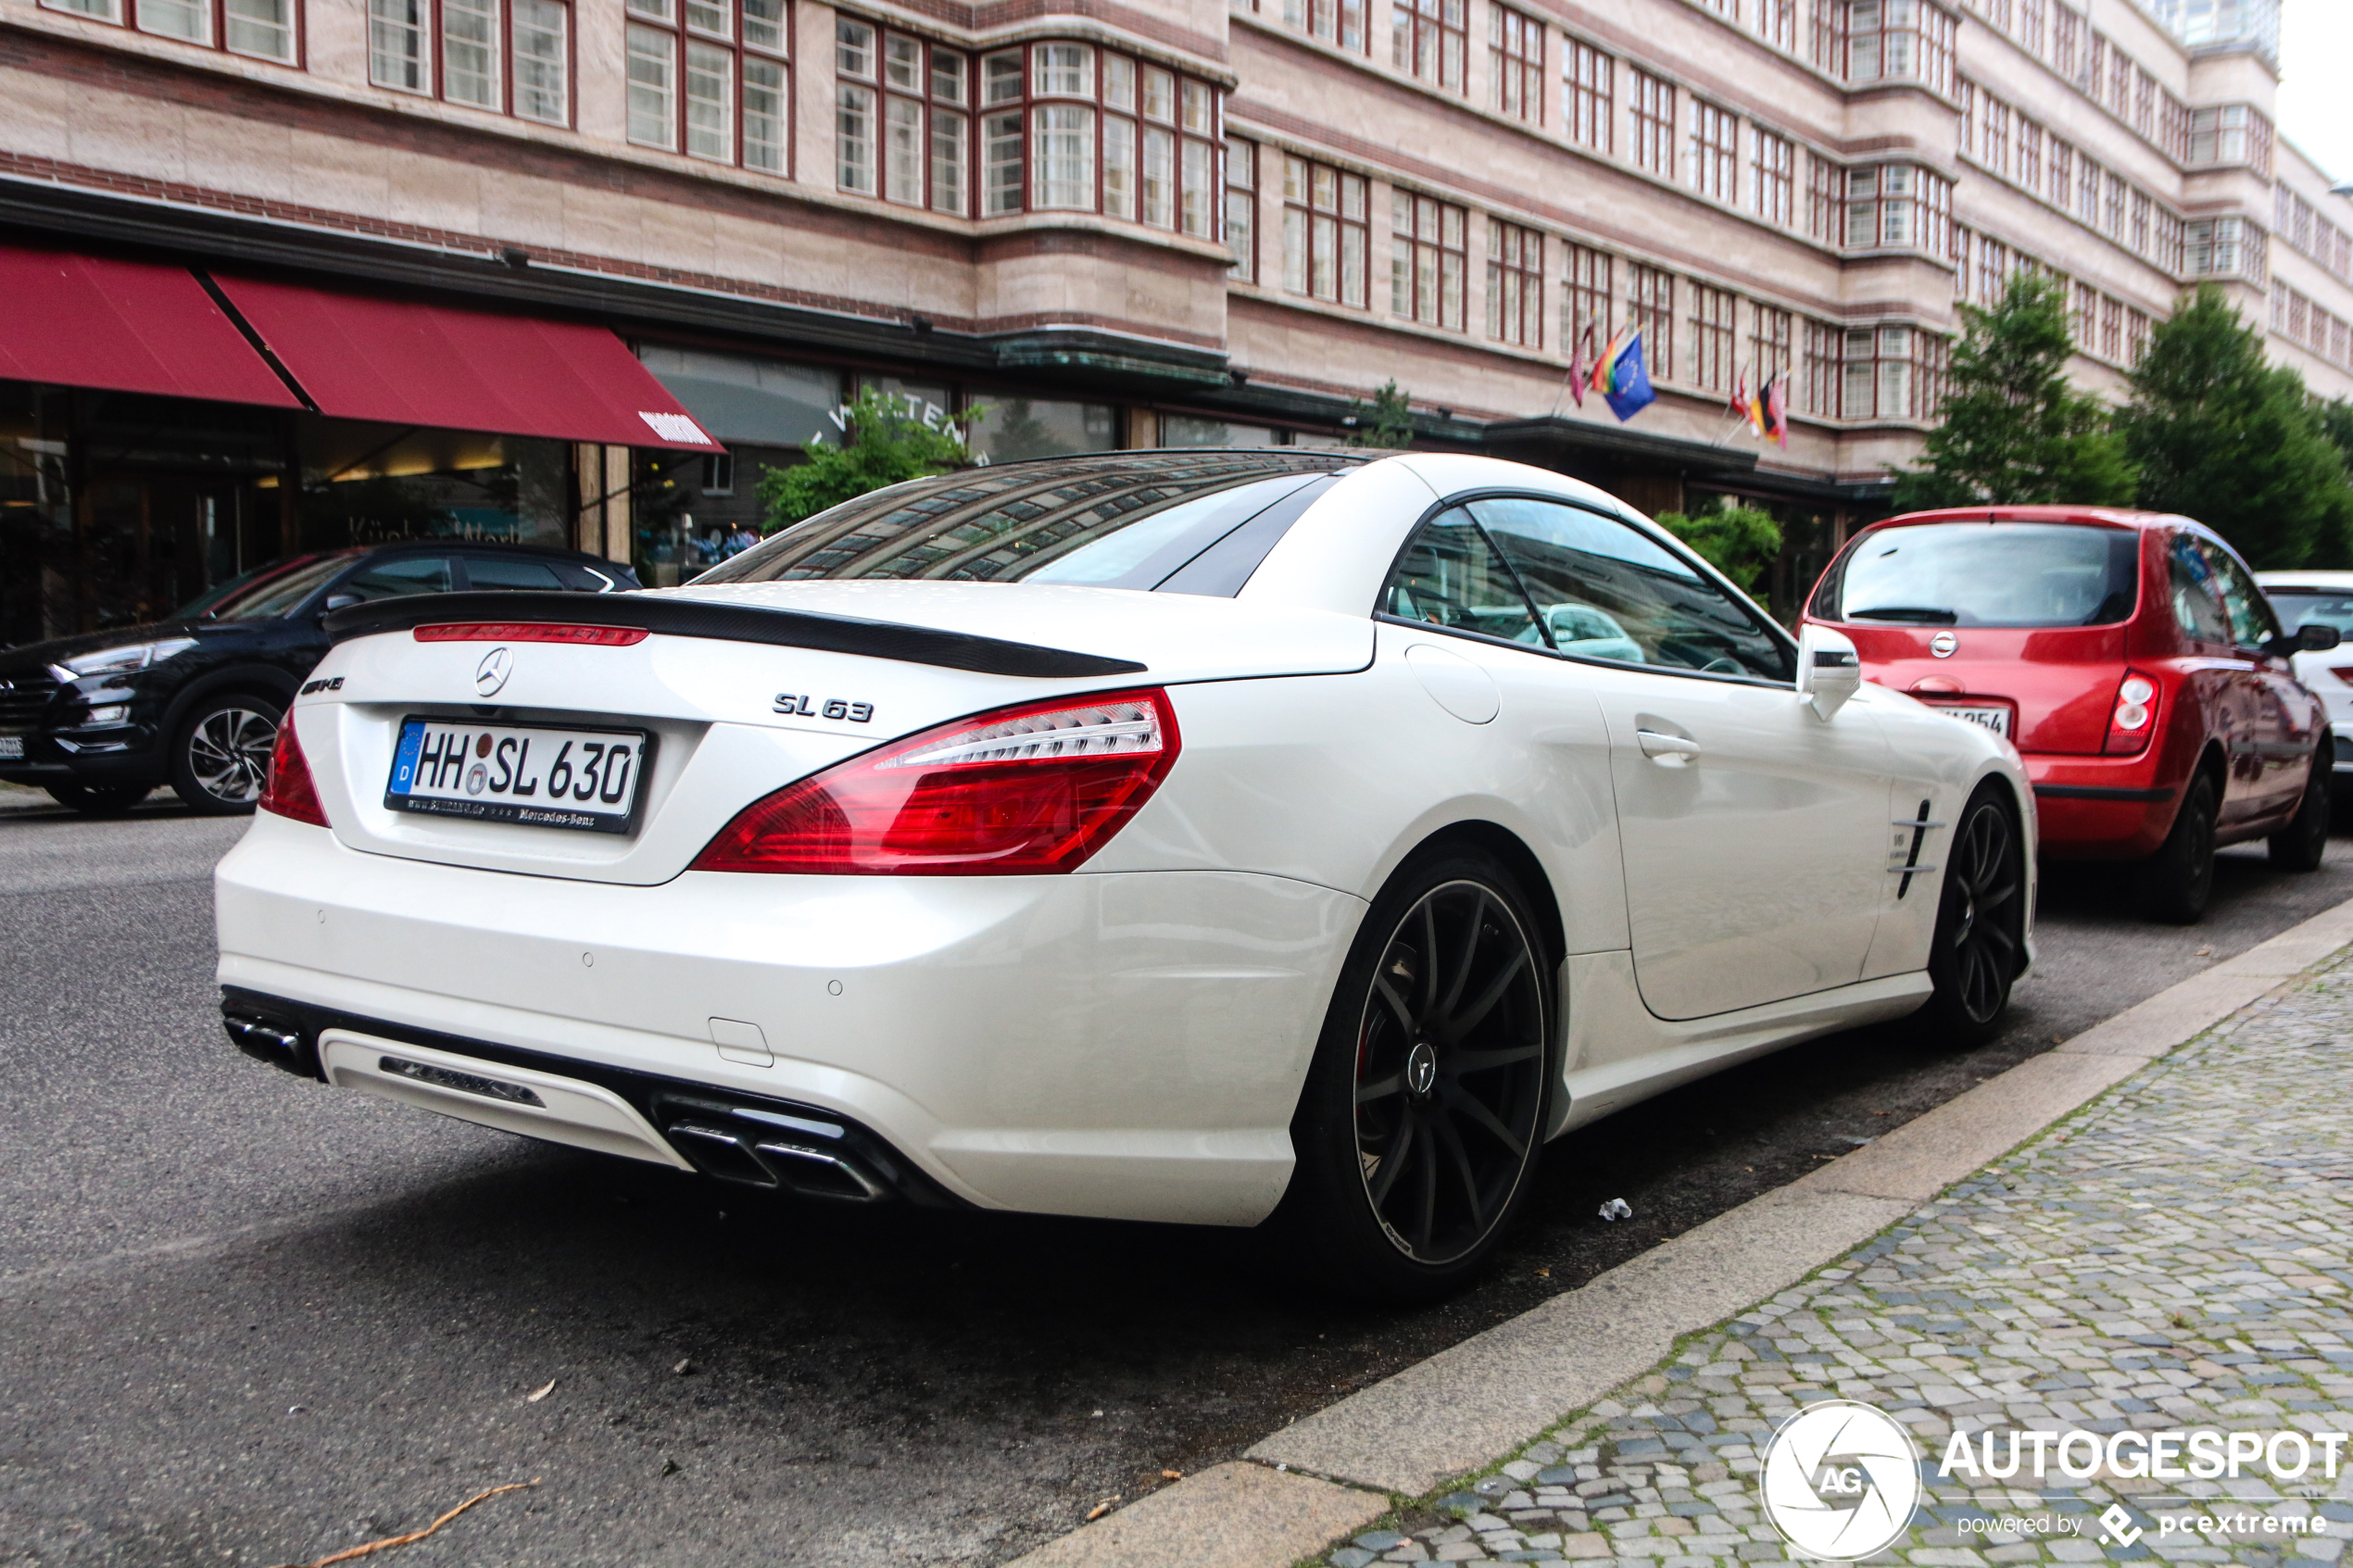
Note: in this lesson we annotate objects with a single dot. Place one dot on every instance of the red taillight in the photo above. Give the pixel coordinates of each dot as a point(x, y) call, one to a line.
point(289, 791)
point(2133, 719)
point(1035, 788)
point(530, 632)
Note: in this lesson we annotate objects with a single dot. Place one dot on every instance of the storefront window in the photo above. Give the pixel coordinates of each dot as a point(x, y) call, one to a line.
point(365, 484)
point(1015, 427)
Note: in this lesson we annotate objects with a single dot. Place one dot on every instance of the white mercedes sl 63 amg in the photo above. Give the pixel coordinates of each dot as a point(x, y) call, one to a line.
point(1276, 836)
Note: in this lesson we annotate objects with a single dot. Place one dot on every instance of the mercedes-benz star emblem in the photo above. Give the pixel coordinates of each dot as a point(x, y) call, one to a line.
point(1944, 645)
point(492, 672)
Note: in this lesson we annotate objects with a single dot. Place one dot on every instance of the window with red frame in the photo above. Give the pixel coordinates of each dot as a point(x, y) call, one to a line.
point(1427, 40)
point(1334, 21)
point(1769, 346)
point(1772, 163)
point(1591, 79)
point(1715, 151)
point(1713, 337)
point(1651, 296)
point(710, 79)
point(261, 30)
point(1427, 241)
point(1515, 61)
point(903, 118)
point(1653, 110)
point(1326, 228)
point(1586, 299)
point(1515, 284)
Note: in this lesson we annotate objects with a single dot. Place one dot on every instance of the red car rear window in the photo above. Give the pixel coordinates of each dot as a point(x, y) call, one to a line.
point(1986, 574)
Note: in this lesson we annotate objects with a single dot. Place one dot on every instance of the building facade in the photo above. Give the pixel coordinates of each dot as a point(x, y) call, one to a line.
point(1110, 224)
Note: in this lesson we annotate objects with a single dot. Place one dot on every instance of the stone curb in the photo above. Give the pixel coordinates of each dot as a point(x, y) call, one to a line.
point(1465, 1406)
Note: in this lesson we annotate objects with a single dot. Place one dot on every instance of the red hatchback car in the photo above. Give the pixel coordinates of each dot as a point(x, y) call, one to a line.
point(2128, 657)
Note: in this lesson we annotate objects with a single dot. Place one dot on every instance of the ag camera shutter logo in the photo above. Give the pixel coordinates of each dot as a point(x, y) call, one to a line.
point(1840, 1480)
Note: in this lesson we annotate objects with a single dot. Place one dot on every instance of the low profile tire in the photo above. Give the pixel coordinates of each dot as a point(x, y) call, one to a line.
point(2299, 845)
point(1981, 924)
point(2178, 881)
point(220, 753)
point(1424, 1110)
point(99, 801)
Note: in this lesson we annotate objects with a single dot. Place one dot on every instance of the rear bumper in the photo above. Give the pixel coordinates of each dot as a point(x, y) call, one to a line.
point(1127, 1045)
point(2102, 807)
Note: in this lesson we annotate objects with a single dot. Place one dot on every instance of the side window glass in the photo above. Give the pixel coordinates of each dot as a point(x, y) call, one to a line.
point(1605, 591)
point(1452, 577)
point(2197, 600)
point(389, 579)
point(500, 572)
point(2252, 623)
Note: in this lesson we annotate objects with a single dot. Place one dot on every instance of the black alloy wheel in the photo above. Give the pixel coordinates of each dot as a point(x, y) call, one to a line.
point(2300, 846)
point(99, 801)
point(2178, 881)
point(1424, 1114)
point(221, 756)
point(1981, 922)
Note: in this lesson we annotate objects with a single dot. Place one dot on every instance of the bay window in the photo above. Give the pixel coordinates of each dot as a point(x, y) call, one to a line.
point(1892, 372)
point(1897, 206)
point(900, 122)
point(1899, 41)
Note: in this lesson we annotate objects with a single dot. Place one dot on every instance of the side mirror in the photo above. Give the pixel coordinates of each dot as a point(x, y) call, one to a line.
point(1829, 670)
point(2304, 639)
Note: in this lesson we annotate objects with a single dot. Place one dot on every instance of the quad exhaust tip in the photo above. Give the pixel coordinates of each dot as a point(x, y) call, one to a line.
point(752, 1159)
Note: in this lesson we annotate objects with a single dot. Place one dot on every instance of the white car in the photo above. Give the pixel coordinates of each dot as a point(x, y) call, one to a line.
point(2321, 598)
point(1193, 836)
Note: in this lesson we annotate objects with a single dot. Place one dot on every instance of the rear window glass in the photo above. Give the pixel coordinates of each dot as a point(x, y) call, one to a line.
point(2299, 607)
point(1130, 520)
point(1987, 574)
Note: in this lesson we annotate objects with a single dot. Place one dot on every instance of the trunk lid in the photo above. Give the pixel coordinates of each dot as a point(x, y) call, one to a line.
point(707, 684)
point(2060, 684)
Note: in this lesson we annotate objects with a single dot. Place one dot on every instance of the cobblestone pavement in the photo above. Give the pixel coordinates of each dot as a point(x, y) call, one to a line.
point(2177, 1255)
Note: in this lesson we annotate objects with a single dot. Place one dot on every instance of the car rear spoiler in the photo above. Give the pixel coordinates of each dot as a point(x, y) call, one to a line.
point(733, 624)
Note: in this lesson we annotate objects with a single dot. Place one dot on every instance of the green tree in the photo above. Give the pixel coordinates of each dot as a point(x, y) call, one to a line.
point(1740, 542)
point(2012, 429)
point(2222, 436)
point(886, 444)
point(1386, 421)
point(2336, 424)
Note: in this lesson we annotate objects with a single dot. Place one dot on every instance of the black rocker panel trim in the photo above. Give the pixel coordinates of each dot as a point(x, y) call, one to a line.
point(732, 623)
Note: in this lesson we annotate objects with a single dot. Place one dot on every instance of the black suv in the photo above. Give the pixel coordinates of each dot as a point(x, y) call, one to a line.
point(193, 702)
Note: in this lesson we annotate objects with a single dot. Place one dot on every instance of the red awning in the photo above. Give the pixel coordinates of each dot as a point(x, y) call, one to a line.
point(361, 358)
point(125, 326)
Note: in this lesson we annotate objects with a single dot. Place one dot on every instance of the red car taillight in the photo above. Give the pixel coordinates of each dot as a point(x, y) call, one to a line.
point(2133, 719)
point(1035, 788)
point(290, 792)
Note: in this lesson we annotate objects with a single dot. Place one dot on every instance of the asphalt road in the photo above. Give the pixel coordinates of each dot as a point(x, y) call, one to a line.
point(244, 1320)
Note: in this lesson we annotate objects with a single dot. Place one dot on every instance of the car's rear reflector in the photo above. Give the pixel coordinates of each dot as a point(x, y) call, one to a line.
point(1036, 788)
point(291, 791)
point(530, 632)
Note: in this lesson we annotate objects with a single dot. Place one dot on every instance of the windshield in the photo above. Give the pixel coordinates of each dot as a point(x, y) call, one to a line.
point(1182, 521)
point(266, 592)
point(1988, 574)
point(2299, 607)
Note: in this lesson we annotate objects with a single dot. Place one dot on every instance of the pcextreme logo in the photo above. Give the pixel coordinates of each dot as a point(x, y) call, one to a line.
point(1840, 1480)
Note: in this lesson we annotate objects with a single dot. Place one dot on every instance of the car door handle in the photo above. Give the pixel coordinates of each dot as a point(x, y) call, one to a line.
point(1666, 748)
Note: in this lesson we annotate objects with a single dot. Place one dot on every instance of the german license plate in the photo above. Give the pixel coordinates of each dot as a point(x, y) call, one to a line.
point(11, 748)
point(592, 780)
point(1995, 718)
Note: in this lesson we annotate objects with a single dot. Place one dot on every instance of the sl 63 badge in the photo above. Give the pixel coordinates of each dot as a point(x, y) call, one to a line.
point(803, 706)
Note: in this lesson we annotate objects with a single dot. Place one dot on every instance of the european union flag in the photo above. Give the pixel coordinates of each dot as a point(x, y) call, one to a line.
point(1629, 381)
